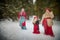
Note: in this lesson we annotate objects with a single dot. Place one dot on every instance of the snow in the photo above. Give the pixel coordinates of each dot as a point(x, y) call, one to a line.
point(12, 31)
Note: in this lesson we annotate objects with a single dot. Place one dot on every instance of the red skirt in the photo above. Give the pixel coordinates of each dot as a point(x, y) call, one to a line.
point(48, 30)
point(24, 24)
point(36, 29)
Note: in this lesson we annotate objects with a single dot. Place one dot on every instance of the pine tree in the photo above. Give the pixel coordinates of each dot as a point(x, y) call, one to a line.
point(10, 8)
point(52, 4)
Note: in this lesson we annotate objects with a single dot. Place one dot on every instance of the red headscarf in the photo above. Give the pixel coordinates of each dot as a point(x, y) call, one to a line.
point(48, 9)
point(35, 17)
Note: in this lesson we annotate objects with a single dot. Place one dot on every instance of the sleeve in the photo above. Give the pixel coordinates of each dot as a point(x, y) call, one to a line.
point(34, 21)
point(52, 15)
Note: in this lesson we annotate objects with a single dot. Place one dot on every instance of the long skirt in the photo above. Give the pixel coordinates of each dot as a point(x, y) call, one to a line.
point(22, 22)
point(48, 29)
point(36, 29)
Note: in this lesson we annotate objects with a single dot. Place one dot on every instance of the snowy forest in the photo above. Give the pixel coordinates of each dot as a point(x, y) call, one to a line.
point(11, 26)
point(10, 8)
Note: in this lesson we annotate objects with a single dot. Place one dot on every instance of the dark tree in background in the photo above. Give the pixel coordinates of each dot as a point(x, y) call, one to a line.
point(2, 3)
point(52, 4)
point(10, 8)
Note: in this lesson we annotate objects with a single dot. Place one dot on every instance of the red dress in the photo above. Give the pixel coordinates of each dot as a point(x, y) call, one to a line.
point(36, 29)
point(23, 14)
point(48, 30)
point(20, 14)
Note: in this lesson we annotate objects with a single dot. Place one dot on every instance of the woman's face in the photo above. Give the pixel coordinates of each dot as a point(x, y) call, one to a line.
point(47, 11)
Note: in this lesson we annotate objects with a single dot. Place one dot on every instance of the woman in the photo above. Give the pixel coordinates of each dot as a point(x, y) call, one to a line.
point(47, 22)
point(22, 18)
point(36, 25)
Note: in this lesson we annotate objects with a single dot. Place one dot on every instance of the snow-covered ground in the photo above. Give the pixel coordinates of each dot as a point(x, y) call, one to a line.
point(12, 31)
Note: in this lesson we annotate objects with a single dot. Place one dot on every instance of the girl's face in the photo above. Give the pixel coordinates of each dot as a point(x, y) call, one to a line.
point(36, 18)
point(22, 9)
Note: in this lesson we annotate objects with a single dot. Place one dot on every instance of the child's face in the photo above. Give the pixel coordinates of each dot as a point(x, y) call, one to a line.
point(22, 9)
point(36, 18)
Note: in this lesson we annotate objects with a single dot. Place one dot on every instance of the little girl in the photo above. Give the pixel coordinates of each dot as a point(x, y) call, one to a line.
point(36, 25)
point(22, 19)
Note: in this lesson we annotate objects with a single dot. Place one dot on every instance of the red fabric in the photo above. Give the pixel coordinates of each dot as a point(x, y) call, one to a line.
point(48, 30)
point(48, 9)
point(23, 24)
point(36, 29)
point(23, 14)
